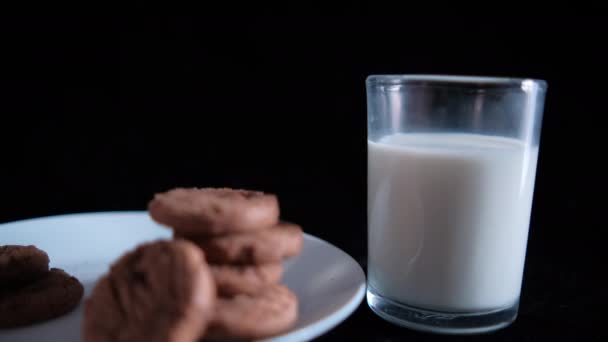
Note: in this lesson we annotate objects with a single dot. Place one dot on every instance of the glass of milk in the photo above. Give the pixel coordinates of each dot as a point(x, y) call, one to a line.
point(451, 169)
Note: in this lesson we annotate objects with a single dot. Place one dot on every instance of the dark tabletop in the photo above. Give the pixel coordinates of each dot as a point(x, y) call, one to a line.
point(556, 302)
point(100, 113)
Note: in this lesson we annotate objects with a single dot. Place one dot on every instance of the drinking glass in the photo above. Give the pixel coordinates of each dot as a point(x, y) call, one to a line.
point(451, 172)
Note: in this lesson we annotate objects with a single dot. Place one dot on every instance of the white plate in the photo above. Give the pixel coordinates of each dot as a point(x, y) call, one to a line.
point(328, 282)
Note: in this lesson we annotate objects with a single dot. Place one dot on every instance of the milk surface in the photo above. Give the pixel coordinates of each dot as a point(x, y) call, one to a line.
point(448, 218)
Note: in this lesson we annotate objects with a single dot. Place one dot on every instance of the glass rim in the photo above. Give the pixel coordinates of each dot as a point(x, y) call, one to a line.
point(431, 80)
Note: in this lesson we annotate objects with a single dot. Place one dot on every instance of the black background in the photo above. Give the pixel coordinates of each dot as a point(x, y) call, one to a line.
point(101, 113)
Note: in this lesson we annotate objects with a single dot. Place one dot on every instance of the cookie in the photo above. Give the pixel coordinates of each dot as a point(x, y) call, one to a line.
point(21, 264)
point(160, 291)
point(51, 296)
point(250, 279)
point(211, 211)
point(269, 245)
point(270, 312)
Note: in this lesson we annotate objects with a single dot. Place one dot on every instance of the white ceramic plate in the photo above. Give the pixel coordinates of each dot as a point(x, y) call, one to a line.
point(328, 282)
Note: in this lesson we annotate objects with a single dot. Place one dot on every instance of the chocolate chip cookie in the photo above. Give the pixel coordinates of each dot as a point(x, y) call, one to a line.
point(214, 211)
point(50, 296)
point(21, 264)
point(247, 317)
point(264, 246)
point(160, 291)
point(248, 279)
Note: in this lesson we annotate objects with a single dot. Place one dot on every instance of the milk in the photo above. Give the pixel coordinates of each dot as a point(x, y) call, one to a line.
point(448, 218)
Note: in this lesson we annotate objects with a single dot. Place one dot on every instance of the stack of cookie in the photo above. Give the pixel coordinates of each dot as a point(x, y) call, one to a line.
point(245, 243)
point(30, 292)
